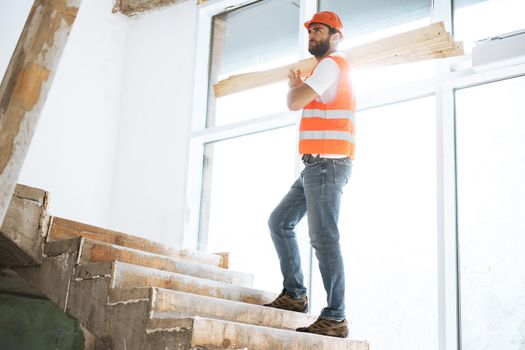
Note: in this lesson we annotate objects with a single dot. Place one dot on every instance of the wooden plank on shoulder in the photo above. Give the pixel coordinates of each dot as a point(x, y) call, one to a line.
point(381, 51)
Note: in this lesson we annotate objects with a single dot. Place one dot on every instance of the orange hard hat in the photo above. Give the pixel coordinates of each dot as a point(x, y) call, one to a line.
point(328, 18)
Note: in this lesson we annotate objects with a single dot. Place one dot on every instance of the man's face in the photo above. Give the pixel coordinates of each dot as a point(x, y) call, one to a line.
point(318, 39)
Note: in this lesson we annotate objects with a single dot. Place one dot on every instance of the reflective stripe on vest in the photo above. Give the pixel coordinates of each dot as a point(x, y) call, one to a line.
point(328, 114)
point(328, 128)
point(326, 135)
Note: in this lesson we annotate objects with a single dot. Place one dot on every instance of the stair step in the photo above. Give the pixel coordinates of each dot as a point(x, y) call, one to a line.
point(65, 229)
point(133, 293)
point(129, 276)
point(208, 333)
point(173, 304)
point(22, 232)
point(95, 251)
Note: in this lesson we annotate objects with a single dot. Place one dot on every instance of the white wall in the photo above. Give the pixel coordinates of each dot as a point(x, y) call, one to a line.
point(151, 164)
point(13, 14)
point(73, 151)
point(111, 143)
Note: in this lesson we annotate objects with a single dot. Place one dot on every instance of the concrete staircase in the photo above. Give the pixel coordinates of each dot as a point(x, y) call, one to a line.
point(132, 293)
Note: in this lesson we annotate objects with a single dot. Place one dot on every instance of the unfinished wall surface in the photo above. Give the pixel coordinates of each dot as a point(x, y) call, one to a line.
point(111, 143)
point(72, 154)
point(26, 84)
point(156, 111)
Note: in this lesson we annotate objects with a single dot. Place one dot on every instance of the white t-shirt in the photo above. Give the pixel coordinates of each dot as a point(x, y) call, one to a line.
point(325, 78)
point(325, 81)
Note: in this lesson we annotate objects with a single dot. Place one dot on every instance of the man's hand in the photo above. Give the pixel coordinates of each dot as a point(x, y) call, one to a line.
point(299, 93)
point(294, 78)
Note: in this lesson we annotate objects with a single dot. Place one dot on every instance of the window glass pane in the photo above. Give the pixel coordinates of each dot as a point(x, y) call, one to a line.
point(367, 21)
point(388, 229)
point(259, 36)
point(250, 176)
point(491, 220)
point(476, 20)
point(363, 17)
point(258, 33)
point(370, 79)
point(249, 104)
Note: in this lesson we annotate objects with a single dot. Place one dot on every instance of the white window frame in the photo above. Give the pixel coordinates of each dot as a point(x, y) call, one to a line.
point(443, 88)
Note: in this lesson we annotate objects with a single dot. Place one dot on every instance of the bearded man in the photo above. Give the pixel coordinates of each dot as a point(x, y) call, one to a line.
point(326, 144)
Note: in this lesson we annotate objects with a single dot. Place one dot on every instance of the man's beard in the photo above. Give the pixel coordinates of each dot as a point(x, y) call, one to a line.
point(320, 48)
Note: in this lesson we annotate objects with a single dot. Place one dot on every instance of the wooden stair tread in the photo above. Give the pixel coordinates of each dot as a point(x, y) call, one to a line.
point(167, 303)
point(138, 294)
point(130, 276)
point(96, 251)
point(214, 333)
point(65, 229)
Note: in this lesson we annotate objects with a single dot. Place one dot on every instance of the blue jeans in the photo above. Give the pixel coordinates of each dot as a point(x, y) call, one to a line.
point(317, 193)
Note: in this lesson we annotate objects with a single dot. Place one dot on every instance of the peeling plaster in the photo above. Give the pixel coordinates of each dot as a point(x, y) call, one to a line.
point(45, 219)
point(126, 302)
point(93, 277)
point(134, 7)
point(172, 329)
point(153, 302)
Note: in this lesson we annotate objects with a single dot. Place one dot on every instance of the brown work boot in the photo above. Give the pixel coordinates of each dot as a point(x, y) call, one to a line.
point(324, 326)
point(287, 302)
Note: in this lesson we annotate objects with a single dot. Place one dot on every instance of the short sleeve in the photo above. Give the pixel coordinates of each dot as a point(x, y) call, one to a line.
point(324, 76)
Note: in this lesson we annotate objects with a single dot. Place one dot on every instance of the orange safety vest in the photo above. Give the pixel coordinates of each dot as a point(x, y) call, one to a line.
point(330, 128)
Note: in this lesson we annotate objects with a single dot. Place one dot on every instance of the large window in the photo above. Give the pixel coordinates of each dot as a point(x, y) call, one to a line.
point(365, 17)
point(431, 221)
point(481, 19)
point(365, 21)
point(388, 229)
point(246, 173)
point(250, 176)
point(491, 220)
point(259, 36)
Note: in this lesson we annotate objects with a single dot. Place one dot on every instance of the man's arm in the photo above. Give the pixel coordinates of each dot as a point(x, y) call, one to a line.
point(299, 93)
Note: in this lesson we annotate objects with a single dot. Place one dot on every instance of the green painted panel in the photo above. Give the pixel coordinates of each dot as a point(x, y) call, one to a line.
point(36, 324)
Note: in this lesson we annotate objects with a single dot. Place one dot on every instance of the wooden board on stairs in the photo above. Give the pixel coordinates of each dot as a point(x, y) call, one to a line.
point(95, 251)
point(209, 333)
point(65, 229)
point(133, 276)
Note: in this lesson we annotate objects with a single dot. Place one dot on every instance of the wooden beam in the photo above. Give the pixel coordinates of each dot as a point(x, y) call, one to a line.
point(397, 41)
point(416, 45)
point(357, 57)
point(428, 47)
point(454, 49)
point(26, 84)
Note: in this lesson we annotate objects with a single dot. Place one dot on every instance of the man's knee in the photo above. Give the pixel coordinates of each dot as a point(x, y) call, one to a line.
point(274, 222)
point(280, 225)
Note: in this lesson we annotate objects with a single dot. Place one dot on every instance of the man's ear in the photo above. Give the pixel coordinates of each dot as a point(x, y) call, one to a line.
point(336, 37)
